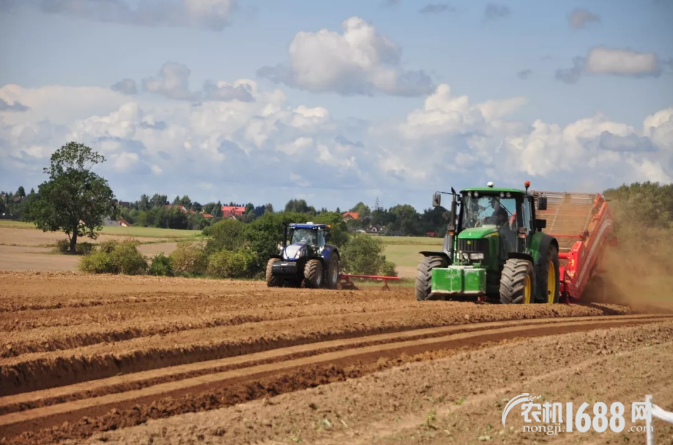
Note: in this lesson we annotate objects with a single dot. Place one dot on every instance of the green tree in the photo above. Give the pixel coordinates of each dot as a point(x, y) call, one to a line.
point(217, 210)
point(186, 202)
point(299, 206)
point(158, 200)
point(143, 203)
point(74, 199)
point(339, 230)
point(363, 254)
point(361, 209)
point(196, 206)
point(21, 192)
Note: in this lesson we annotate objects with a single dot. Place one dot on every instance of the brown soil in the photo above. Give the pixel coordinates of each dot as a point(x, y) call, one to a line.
point(124, 350)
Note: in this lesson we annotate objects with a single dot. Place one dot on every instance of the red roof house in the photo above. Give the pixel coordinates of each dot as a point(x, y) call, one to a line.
point(228, 211)
point(348, 216)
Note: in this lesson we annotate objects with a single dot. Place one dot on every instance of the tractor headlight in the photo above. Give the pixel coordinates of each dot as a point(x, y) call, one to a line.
point(477, 256)
point(466, 256)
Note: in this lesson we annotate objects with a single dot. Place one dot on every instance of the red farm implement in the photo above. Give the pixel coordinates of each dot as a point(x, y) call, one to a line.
point(582, 223)
point(346, 280)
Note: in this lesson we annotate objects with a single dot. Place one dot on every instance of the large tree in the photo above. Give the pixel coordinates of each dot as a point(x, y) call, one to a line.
point(74, 199)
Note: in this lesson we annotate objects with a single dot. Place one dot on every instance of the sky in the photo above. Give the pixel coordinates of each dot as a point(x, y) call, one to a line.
point(339, 102)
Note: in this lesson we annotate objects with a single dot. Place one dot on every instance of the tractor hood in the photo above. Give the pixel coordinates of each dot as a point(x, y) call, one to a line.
point(294, 251)
point(477, 232)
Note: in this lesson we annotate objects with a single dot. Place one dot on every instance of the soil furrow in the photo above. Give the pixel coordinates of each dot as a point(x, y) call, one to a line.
point(29, 372)
point(206, 392)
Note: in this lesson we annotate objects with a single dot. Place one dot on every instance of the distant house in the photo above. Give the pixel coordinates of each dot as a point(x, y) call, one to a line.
point(182, 208)
point(431, 234)
point(349, 216)
point(232, 211)
point(207, 215)
point(120, 222)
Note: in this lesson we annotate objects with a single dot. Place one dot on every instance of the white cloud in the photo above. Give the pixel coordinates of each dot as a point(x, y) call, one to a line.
point(611, 61)
point(357, 61)
point(580, 17)
point(266, 147)
point(172, 82)
point(623, 62)
point(209, 14)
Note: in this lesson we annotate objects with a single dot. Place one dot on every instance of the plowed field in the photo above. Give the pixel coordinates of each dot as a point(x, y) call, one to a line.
point(88, 357)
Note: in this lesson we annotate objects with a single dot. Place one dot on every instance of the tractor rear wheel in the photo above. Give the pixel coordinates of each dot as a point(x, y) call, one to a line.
point(517, 282)
point(424, 275)
point(333, 271)
point(271, 280)
point(548, 280)
point(313, 274)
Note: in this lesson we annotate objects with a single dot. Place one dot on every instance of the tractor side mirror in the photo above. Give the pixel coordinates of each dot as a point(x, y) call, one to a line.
point(540, 224)
point(328, 235)
point(436, 200)
point(542, 203)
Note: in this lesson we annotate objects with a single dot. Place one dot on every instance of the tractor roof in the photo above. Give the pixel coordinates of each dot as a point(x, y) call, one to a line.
point(492, 190)
point(308, 226)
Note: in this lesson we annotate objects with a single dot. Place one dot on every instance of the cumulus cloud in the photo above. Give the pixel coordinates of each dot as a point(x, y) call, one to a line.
point(580, 17)
point(524, 74)
point(240, 146)
point(495, 11)
point(125, 86)
point(209, 14)
point(611, 61)
point(357, 61)
point(435, 8)
point(14, 106)
point(225, 92)
point(172, 82)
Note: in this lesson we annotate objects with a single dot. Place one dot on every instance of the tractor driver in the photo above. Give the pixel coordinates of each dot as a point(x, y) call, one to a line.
point(499, 215)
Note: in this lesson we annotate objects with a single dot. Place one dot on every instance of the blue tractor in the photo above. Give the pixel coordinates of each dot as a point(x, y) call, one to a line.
point(305, 258)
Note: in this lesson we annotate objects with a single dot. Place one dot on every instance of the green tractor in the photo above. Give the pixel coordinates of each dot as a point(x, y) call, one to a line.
point(494, 250)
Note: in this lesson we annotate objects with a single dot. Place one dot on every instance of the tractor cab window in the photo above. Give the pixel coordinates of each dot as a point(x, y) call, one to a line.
point(526, 215)
point(479, 211)
point(321, 238)
point(305, 236)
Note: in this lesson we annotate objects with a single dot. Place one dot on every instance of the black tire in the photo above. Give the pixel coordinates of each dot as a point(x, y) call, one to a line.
point(542, 274)
point(513, 281)
point(424, 275)
point(313, 274)
point(271, 280)
point(332, 276)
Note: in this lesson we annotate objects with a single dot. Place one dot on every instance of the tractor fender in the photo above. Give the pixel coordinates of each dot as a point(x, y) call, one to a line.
point(328, 251)
point(428, 253)
point(521, 256)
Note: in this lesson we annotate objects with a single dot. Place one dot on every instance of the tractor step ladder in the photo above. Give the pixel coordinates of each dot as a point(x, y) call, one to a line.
point(582, 224)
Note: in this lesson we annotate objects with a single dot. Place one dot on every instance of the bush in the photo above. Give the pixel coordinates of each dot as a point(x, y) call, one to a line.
point(388, 269)
point(189, 258)
point(363, 254)
point(115, 257)
point(128, 260)
point(63, 246)
point(230, 264)
point(161, 266)
point(227, 234)
point(107, 246)
point(98, 262)
point(85, 248)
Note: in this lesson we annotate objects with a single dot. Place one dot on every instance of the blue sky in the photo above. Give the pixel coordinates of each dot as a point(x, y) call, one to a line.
point(350, 113)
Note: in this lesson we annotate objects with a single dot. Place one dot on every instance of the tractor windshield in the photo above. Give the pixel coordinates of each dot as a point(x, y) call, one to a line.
point(479, 211)
point(309, 236)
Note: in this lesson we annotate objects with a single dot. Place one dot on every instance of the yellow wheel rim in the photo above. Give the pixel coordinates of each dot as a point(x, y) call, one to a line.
point(528, 290)
point(551, 283)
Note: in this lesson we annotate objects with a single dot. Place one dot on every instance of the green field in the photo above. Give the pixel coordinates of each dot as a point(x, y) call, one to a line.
point(147, 232)
point(403, 250)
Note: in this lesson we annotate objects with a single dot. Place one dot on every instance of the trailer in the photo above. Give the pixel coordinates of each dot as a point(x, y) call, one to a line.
point(583, 225)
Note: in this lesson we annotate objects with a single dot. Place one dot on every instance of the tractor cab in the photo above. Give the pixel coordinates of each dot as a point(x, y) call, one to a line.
point(491, 232)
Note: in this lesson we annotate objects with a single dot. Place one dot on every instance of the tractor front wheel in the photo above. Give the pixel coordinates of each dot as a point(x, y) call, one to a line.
point(517, 282)
point(424, 275)
point(271, 280)
point(313, 274)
